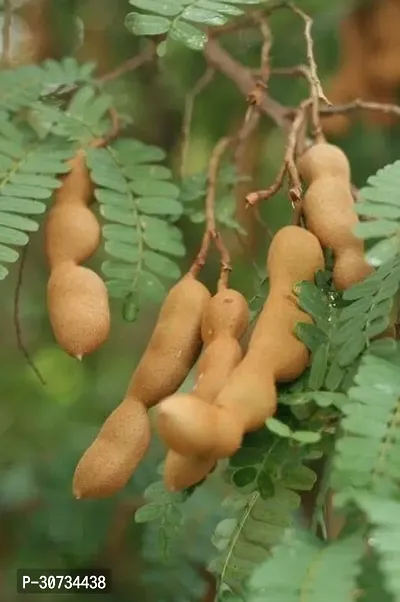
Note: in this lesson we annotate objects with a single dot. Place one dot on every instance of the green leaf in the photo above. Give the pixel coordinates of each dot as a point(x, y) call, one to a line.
point(334, 376)
point(120, 233)
point(377, 210)
point(265, 485)
point(166, 8)
point(278, 428)
point(312, 300)
point(377, 326)
point(3, 272)
point(121, 271)
point(306, 436)
point(159, 206)
point(148, 513)
point(383, 251)
point(319, 367)
point(16, 221)
point(15, 205)
point(122, 250)
point(8, 255)
point(312, 336)
point(9, 236)
point(192, 37)
point(366, 288)
point(244, 476)
point(351, 350)
point(154, 188)
point(146, 25)
point(206, 17)
point(115, 214)
point(376, 229)
point(246, 456)
point(161, 265)
point(167, 244)
point(151, 287)
point(220, 7)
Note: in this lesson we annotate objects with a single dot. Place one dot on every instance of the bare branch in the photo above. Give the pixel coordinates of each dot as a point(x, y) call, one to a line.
point(359, 104)
point(316, 91)
point(146, 56)
point(211, 233)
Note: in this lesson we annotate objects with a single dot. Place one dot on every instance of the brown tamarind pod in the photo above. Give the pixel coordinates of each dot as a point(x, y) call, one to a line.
point(71, 233)
point(79, 315)
point(77, 302)
point(174, 346)
point(328, 207)
point(77, 187)
point(225, 320)
point(274, 355)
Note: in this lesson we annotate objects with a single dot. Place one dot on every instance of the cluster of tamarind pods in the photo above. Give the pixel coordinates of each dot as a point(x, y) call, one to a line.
point(370, 61)
point(235, 390)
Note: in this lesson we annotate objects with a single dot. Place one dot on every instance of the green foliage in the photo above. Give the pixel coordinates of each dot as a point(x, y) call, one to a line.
point(21, 87)
point(182, 20)
point(380, 203)
point(28, 170)
point(141, 204)
point(265, 474)
point(367, 455)
point(305, 569)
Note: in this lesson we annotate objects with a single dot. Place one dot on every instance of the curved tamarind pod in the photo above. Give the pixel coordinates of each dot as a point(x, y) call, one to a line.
point(77, 187)
point(71, 233)
point(225, 320)
point(77, 302)
point(110, 461)
point(274, 355)
point(79, 315)
point(328, 207)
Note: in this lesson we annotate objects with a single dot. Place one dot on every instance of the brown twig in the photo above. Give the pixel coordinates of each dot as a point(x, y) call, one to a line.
point(211, 233)
point(17, 321)
point(245, 82)
point(360, 105)
point(197, 89)
point(288, 167)
point(6, 32)
point(147, 55)
point(316, 91)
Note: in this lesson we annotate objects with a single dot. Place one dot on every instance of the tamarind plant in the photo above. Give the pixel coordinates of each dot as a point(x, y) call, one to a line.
point(293, 415)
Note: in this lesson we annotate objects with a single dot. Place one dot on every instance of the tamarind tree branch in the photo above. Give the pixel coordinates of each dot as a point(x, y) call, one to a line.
point(316, 91)
point(146, 56)
point(359, 104)
point(288, 167)
point(211, 233)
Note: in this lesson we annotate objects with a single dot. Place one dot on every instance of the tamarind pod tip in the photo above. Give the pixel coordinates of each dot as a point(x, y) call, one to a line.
point(122, 442)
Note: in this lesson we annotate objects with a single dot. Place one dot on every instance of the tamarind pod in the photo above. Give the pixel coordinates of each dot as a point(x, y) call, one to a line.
point(77, 187)
point(274, 355)
point(71, 233)
point(227, 314)
point(174, 345)
point(120, 445)
point(122, 442)
point(224, 321)
point(215, 365)
point(328, 207)
point(323, 160)
point(77, 301)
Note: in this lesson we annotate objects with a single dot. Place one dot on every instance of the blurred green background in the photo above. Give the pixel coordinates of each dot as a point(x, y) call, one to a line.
point(44, 429)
